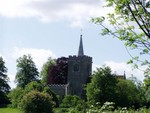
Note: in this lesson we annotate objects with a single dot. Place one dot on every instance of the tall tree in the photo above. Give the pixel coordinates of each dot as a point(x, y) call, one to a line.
point(130, 22)
point(4, 86)
point(102, 87)
point(128, 94)
point(57, 74)
point(26, 71)
point(46, 67)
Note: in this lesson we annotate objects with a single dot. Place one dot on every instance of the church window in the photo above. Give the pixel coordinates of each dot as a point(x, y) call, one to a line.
point(76, 67)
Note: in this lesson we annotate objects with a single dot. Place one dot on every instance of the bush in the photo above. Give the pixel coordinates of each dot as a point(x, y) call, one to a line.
point(74, 104)
point(35, 85)
point(15, 97)
point(70, 101)
point(53, 95)
point(36, 102)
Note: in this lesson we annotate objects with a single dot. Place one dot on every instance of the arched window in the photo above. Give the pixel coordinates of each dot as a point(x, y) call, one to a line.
point(76, 67)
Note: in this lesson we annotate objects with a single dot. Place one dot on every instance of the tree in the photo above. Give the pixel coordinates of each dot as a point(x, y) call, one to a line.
point(57, 74)
point(15, 96)
point(36, 102)
point(147, 96)
point(128, 94)
point(4, 86)
point(102, 87)
point(130, 22)
point(75, 103)
point(26, 71)
point(53, 95)
point(46, 67)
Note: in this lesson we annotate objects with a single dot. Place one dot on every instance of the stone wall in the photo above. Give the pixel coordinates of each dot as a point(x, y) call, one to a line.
point(59, 89)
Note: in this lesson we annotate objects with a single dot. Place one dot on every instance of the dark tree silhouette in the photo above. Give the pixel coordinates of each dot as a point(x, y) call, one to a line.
point(57, 74)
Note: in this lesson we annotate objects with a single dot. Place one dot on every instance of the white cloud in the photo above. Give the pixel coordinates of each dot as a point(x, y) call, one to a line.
point(11, 80)
point(76, 12)
point(39, 56)
point(121, 67)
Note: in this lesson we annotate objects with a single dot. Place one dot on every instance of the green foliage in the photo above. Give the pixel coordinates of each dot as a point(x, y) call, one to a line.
point(127, 94)
point(61, 110)
point(74, 104)
point(4, 87)
point(36, 102)
point(15, 97)
point(26, 71)
point(130, 22)
point(53, 95)
point(106, 87)
point(17, 94)
point(44, 73)
point(35, 85)
point(70, 101)
point(147, 96)
point(120, 110)
point(102, 87)
point(108, 106)
point(10, 110)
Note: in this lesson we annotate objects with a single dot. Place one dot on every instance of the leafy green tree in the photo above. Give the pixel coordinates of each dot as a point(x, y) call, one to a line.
point(70, 101)
point(74, 103)
point(128, 94)
point(26, 71)
point(102, 87)
point(44, 73)
point(4, 86)
point(130, 22)
point(35, 85)
point(147, 96)
point(36, 102)
point(53, 95)
point(15, 96)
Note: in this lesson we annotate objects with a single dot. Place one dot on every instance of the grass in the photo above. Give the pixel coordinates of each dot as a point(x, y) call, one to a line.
point(10, 110)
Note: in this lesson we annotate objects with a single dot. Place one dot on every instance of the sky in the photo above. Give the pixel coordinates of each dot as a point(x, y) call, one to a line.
point(52, 28)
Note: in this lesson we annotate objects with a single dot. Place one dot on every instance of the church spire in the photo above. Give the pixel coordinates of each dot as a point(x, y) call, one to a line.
point(80, 51)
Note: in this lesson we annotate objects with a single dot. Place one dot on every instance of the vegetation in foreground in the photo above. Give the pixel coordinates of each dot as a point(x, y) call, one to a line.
point(105, 93)
point(10, 110)
point(90, 110)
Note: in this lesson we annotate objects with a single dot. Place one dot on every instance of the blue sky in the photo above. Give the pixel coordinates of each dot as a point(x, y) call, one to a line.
point(52, 28)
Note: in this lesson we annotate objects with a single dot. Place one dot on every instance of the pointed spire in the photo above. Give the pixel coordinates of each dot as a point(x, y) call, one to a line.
point(124, 75)
point(80, 51)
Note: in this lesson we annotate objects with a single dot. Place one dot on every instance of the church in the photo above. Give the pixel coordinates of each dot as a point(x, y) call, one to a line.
point(78, 74)
point(79, 71)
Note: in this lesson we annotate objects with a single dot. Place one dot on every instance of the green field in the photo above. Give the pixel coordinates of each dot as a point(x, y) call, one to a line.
point(9, 110)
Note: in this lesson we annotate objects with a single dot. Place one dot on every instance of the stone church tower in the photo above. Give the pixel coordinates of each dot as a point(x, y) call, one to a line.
point(79, 70)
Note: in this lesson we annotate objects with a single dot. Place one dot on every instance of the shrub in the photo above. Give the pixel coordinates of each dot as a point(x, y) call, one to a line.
point(35, 85)
point(36, 102)
point(15, 97)
point(74, 104)
point(70, 101)
point(53, 95)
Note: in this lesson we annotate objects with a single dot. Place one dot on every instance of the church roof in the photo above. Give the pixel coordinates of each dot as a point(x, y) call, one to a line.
point(80, 51)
